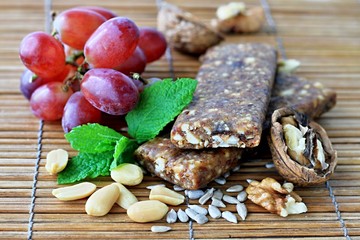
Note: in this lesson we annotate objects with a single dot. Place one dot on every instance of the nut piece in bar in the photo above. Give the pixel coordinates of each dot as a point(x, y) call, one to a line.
point(190, 169)
point(275, 198)
point(184, 31)
point(301, 150)
point(231, 99)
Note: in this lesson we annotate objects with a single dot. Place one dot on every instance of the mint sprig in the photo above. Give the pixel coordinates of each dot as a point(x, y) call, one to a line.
point(102, 149)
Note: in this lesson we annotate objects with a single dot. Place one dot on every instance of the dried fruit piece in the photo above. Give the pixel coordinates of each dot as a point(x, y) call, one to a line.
point(74, 192)
point(166, 195)
point(127, 174)
point(147, 211)
point(184, 31)
point(56, 161)
point(101, 201)
point(272, 196)
point(301, 150)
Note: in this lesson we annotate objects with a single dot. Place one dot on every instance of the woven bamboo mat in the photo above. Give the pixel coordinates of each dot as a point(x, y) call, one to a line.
point(323, 34)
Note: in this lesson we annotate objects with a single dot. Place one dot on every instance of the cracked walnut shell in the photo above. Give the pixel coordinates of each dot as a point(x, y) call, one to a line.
point(301, 150)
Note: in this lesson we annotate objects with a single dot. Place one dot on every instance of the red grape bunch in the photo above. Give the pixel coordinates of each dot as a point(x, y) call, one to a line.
point(92, 50)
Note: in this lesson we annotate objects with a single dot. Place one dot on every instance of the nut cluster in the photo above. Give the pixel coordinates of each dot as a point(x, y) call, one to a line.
point(301, 150)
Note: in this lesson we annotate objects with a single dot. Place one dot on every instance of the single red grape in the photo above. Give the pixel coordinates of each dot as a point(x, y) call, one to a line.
point(42, 54)
point(47, 102)
point(109, 90)
point(136, 63)
point(79, 111)
point(152, 42)
point(75, 26)
point(112, 43)
point(106, 13)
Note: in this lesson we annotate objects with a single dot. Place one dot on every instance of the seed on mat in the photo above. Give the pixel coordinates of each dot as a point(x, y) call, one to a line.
point(230, 199)
point(220, 180)
point(236, 169)
point(249, 180)
point(147, 211)
point(191, 213)
point(217, 203)
point(199, 209)
point(208, 194)
point(126, 198)
point(183, 217)
point(227, 174)
point(74, 192)
point(269, 165)
point(178, 188)
point(229, 216)
point(214, 212)
point(171, 216)
point(218, 194)
point(241, 210)
point(235, 188)
point(160, 229)
point(152, 186)
point(194, 194)
point(56, 161)
point(127, 174)
point(288, 186)
point(242, 196)
point(201, 219)
point(101, 201)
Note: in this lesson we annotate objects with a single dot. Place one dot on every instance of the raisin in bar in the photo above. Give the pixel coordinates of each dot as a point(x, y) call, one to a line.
point(188, 168)
point(231, 99)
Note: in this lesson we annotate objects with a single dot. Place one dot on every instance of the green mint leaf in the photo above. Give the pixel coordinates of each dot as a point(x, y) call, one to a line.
point(124, 152)
point(86, 165)
point(159, 104)
point(93, 138)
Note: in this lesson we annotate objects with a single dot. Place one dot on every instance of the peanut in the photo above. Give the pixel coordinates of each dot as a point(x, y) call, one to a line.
point(166, 195)
point(126, 198)
point(147, 211)
point(127, 174)
point(101, 201)
point(74, 192)
point(56, 161)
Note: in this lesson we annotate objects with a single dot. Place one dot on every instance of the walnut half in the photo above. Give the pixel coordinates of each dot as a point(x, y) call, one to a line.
point(301, 150)
point(275, 198)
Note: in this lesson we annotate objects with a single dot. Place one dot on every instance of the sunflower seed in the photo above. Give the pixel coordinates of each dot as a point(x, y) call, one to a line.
point(235, 188)
point(194, 194)
point(249, 180)
point(217, 203)
point(288, 186)
point(201, 219)
point(227, 174)
point(178, 188)
point(171, 217)
point(152, 186)
point(236, 168)
point(242, 196)
point(220, 180)
point(269, 165)
point(229, 216)
point(241, 210)
point(214, 212)
point(191, 213)
point(199, 209)
point(159, 229)
point(218, 194)
point(208, 194)
point(183, 217)
point(230, 199)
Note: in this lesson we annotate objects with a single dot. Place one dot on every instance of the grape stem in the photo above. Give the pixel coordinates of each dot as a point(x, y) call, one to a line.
point(137, 76)
point(73, 57)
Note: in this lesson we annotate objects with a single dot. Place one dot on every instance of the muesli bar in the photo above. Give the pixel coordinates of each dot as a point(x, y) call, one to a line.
point(188, 168)
point(231, 99)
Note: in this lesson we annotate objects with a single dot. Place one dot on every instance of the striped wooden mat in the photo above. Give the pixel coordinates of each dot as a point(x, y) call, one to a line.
point(323, 34)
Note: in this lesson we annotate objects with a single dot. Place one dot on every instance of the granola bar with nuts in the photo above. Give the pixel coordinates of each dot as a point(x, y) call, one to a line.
point(190, 169)
point(231, 100)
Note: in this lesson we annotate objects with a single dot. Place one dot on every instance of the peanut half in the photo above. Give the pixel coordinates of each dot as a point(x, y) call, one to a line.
point(101, 201)
point(126, 198)
point(147, 211)
point(166, 195)
point(74, 192)
point(127, 174)
point(56, 161)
